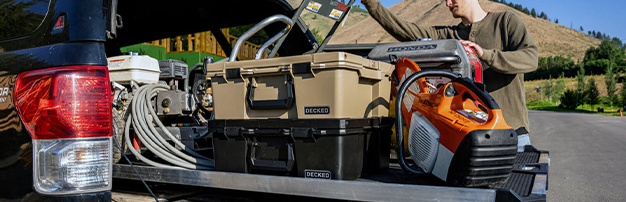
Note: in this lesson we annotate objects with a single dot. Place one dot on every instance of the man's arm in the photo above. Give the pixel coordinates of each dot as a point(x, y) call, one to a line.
point(399, 28)
point(522, 56)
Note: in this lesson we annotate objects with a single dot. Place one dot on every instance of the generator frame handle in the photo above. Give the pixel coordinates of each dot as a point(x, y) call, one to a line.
point(447, 59)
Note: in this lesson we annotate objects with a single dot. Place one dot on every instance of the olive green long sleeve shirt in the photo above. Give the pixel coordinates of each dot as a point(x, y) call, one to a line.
point(509, 52)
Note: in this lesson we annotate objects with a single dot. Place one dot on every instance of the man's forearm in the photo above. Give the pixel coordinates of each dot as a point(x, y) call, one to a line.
point(512, 62)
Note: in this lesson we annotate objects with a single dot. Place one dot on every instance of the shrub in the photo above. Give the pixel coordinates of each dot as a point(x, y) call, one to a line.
point(570, 99)
point(592, 93)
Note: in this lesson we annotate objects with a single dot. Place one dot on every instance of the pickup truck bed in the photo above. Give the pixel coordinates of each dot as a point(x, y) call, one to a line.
point(528, 182)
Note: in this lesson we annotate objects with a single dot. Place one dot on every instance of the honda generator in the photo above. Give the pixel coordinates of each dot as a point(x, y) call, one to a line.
point(446, 54)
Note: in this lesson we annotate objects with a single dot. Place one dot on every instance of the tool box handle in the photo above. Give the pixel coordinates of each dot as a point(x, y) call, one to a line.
point(286, 103)
point(271, 165)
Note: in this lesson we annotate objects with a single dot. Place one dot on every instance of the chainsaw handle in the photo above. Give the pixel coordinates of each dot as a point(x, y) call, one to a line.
point(486, 99)
point(400, 117)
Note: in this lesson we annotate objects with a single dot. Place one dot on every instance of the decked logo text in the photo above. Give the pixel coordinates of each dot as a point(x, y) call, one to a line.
point(319, 174)
point(316, 110)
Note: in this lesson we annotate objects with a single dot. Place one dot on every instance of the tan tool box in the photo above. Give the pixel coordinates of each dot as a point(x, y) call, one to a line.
point(313, 86)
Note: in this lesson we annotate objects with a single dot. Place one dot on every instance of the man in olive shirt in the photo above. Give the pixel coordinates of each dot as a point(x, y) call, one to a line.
point(502, 43)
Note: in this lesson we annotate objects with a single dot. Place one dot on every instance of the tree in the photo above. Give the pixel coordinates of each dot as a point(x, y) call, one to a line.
point(533, 13)
point(608, 53)
point(611, 82)
point(559, 87)
point(581, 29)
point(548, 89)
point(556, 21)
point(553, 65)
point(623, 93)
point(593, 95)
point(525, 10)
point(580, 77)
point(593, 33)
point(580, 85)
point(616, 41)
point(589, 33)
point(543, 15)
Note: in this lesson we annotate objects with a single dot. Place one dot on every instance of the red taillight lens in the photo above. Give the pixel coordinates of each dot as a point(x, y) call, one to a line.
point(65, 102)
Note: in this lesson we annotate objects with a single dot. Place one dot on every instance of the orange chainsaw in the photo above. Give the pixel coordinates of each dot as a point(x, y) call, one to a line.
point(455, 131)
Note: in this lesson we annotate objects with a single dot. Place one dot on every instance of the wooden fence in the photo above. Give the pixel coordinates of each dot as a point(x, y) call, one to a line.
point(205, 42)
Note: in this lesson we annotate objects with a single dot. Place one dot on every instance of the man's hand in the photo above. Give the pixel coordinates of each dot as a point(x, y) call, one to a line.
point(479, 50)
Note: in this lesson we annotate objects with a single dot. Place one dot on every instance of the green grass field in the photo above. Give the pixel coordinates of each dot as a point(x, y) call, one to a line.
point(537, 101)
point(546, 105)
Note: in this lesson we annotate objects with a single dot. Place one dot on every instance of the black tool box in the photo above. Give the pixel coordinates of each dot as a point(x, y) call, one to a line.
point(342, 149)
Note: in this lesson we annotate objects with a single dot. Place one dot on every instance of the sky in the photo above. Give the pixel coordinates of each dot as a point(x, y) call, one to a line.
point(606, 16)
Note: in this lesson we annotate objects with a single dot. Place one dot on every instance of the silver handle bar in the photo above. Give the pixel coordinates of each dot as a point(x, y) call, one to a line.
point(258, 27)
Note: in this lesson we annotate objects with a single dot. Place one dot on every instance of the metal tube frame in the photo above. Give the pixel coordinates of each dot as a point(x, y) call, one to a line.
point(267, 21)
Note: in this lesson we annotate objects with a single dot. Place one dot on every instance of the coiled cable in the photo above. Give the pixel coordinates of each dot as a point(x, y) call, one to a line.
point(143, 117)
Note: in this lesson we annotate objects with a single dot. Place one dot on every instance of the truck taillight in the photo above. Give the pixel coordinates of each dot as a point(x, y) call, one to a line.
point(67, 112)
